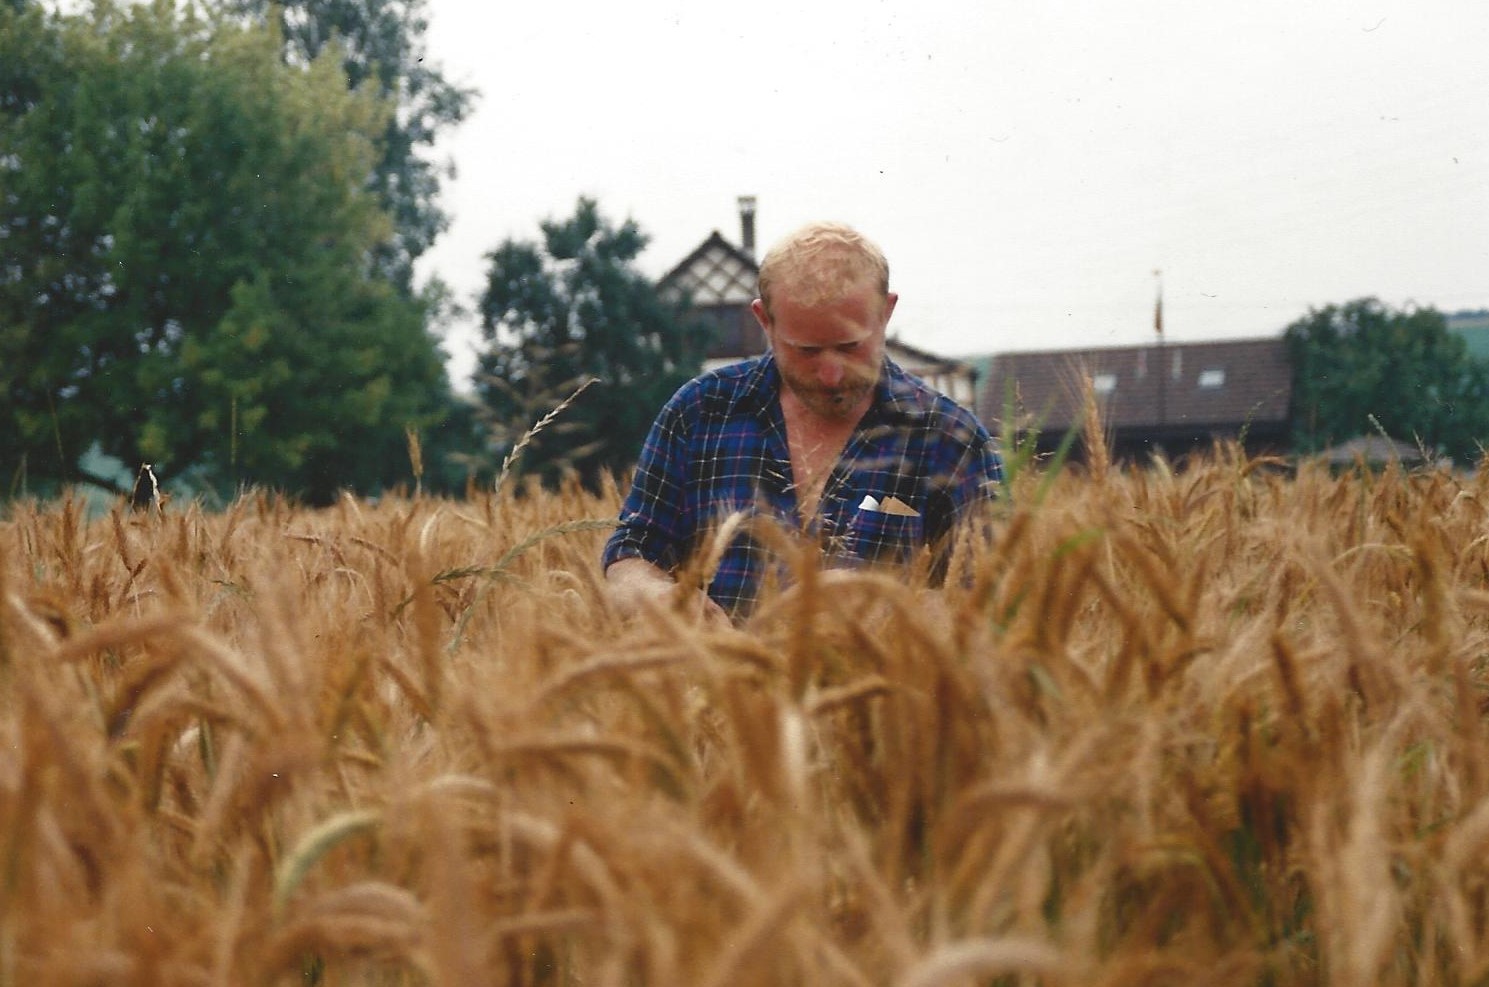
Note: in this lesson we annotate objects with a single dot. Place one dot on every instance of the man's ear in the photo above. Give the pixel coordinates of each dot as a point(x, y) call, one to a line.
point(890, 300)
point(761, 316)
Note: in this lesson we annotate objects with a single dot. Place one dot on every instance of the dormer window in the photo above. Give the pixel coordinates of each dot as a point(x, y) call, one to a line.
point(1211, 379)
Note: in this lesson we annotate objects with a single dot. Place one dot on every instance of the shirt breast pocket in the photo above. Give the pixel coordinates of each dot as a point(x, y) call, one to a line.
point(881, 537)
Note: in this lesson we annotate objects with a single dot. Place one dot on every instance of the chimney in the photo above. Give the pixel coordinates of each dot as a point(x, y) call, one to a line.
point(747, 224)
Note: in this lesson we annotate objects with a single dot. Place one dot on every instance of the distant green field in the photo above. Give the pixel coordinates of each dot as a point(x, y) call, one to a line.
point(1474, 328)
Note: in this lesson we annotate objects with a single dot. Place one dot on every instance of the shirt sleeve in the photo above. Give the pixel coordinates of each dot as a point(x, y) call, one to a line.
point(655, 520)
point(971, 476)
point(970, 489)
point(978, 476)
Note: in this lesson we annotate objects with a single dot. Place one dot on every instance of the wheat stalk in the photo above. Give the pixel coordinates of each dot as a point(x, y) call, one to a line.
point(515, 454)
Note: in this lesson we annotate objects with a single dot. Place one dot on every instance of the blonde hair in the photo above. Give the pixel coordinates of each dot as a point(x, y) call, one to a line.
point(819, 262)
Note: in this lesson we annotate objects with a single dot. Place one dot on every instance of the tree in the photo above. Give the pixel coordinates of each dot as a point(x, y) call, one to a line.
point(381, 47)
point(184, 260)
point(570, 308)
point(1360, 366)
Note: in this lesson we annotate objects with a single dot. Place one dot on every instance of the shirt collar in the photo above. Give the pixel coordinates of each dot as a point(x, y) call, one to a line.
point(897, 396)
point(762, 384)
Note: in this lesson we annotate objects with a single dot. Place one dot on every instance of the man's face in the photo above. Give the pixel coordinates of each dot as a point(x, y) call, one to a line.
point(829, 353)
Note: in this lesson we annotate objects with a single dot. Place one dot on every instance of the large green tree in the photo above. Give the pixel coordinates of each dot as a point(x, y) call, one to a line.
point(567, 309)
point(185, 259)
point(1362, 365)
point(381, 47)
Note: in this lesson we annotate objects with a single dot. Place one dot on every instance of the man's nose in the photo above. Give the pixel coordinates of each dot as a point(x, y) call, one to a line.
point(829, 371)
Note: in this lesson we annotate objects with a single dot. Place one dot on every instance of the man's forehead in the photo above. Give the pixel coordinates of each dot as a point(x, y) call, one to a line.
point(827, 285)
point(832, 323)
point(818, 335)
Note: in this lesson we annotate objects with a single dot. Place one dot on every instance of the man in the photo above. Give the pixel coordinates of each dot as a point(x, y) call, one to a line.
point(823, 434)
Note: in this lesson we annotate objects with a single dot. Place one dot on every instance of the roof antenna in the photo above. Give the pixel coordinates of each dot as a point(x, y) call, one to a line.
point(1158, 306)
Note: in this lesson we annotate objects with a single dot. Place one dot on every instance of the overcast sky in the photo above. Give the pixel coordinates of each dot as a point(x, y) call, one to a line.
point(1025, 166)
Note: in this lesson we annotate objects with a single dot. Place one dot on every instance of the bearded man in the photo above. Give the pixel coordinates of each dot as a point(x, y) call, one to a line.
point(824, 434)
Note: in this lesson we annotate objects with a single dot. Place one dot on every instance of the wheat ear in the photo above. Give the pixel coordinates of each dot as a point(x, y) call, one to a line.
point(527, 437)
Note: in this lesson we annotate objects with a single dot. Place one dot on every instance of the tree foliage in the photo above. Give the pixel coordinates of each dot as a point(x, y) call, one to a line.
point(1361, 366)
point(380, 44)
point(575, 307)
point(184, 260)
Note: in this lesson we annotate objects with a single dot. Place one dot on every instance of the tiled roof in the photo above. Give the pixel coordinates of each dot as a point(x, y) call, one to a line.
point(1224, 384)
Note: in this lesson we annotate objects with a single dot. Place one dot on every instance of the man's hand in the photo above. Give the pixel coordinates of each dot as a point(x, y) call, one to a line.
point(633, 582)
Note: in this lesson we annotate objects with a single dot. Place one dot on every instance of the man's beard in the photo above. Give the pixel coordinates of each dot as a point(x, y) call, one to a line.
point(838, 403)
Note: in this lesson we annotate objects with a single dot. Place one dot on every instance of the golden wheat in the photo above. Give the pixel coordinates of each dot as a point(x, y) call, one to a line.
point(1218, 724)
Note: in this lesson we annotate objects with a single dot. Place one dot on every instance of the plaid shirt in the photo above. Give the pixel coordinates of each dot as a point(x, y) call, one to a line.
point(719, 447)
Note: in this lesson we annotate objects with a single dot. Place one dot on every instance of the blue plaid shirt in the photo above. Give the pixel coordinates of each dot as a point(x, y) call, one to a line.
point(719, 447)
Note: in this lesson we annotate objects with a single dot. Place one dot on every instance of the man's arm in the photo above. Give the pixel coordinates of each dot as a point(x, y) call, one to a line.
point(655, 527)
point(633, 582)
point(973, 486)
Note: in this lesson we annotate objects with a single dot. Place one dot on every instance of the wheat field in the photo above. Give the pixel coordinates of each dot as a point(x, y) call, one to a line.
point(1219, 725)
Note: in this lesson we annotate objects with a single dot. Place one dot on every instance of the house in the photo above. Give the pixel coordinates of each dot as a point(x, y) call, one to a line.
point(720, 279)
point(1173, 398)
point(957, 379)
